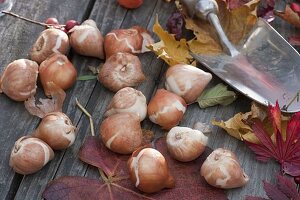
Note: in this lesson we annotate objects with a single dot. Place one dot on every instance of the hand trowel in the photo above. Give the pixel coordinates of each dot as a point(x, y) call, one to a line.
point(264, 67)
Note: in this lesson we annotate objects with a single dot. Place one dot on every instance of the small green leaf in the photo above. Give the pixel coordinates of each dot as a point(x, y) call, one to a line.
point(86, 77)
point(216, 95)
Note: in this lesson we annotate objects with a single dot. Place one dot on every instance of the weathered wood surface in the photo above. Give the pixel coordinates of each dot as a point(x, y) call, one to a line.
point(16, 38)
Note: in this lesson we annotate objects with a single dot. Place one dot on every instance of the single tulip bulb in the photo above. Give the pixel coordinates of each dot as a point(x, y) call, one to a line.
point(57, 130)
point(29, 155)
point(185, 144)
point(149, 171)
point(222, 169)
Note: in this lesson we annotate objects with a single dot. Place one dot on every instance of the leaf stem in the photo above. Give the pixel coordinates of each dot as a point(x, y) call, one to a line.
point(29, 20)
point(296, 97)
point(87, 114)
point(103, 176)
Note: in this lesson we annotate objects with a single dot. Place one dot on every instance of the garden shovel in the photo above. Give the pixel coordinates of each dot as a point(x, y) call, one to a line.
point(265, 67)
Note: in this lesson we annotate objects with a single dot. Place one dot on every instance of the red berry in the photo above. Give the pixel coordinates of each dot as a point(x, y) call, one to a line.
point(52, 20)
point(70, 24)
point(297, 180)
point(130, 4)
point(295, 7)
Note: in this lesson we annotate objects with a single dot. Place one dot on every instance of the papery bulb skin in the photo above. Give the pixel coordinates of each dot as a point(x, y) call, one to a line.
point(185, 144)
point(87, 40)
point(18, 80)
point(121, 70)
point(222, 169)
point(128, 100)
point(57, 130)
point(147, 38)
point(149, 171)
point(122, 132)
point(50, 41)
point(123, 40)
point(29, 155)
point(166, 109)
point(187, 81)
point(57, 69)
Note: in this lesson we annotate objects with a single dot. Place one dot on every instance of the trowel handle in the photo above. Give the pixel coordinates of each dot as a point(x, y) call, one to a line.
point(207, 10)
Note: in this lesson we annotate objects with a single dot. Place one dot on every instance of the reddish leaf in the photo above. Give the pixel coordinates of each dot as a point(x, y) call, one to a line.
point(285, 189)
point(294, 40)
point(117, 185)
point(284, 150)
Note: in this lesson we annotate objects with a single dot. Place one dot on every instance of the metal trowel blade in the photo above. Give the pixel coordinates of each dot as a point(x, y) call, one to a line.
point(266, 70)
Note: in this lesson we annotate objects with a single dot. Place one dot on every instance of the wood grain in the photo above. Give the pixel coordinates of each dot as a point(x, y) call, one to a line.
point(17, 36)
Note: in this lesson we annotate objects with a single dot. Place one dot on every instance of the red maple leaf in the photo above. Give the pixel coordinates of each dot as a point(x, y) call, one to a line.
point(284, 189)
point(286, 150)
point(115, 183)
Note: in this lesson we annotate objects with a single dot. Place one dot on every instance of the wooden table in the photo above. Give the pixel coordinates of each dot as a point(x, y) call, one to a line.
point(16, 39)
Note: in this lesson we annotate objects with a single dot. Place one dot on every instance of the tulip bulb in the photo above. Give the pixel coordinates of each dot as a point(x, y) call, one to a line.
point(87, 40)
point(149, 171)
point(57, 130)
point(128, 100)
point(123, 40)
point(187, 81)
point(166, 109)
point(222, 169)
point(29, 155)
point(185, 144)
point(121, 70)
point(122, 132)
point(57, 69)
point(18, 80)
point(50, 41)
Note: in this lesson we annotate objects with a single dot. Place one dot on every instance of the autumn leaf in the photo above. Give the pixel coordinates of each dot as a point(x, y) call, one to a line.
point(285, 149)
point(284, 189)
point(169, 49)
point(115, 183)
point(290, 16)
point(216, 95)
point(237, 127)
point(237, 23)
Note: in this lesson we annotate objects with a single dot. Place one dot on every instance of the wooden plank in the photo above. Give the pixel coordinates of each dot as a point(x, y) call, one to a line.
point(18, 36)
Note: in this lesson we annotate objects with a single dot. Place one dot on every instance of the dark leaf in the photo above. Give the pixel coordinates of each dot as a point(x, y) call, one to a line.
point(175, 24)
point(286, 186)
point(284, 148)
point(117, 185)
point(284, 189)
point(273, 192)
point(294, 40)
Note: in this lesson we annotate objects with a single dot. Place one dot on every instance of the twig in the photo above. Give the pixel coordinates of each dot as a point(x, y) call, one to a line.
point(87, 114)
point(296, 97)
point(30, 20)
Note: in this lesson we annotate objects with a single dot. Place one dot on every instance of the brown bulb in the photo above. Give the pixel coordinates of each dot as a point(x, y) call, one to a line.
point(121, 70)
point(50, 41)
point(29, 155)
point(222, 169)
point(149, 171)
point(57, 130)
point(18, 80)
point(166, 109)
point(122, 132)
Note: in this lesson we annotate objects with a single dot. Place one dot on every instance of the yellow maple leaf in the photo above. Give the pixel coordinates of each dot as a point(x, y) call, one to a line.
point(169, 49)
point(237, 127)
point(237, 23)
